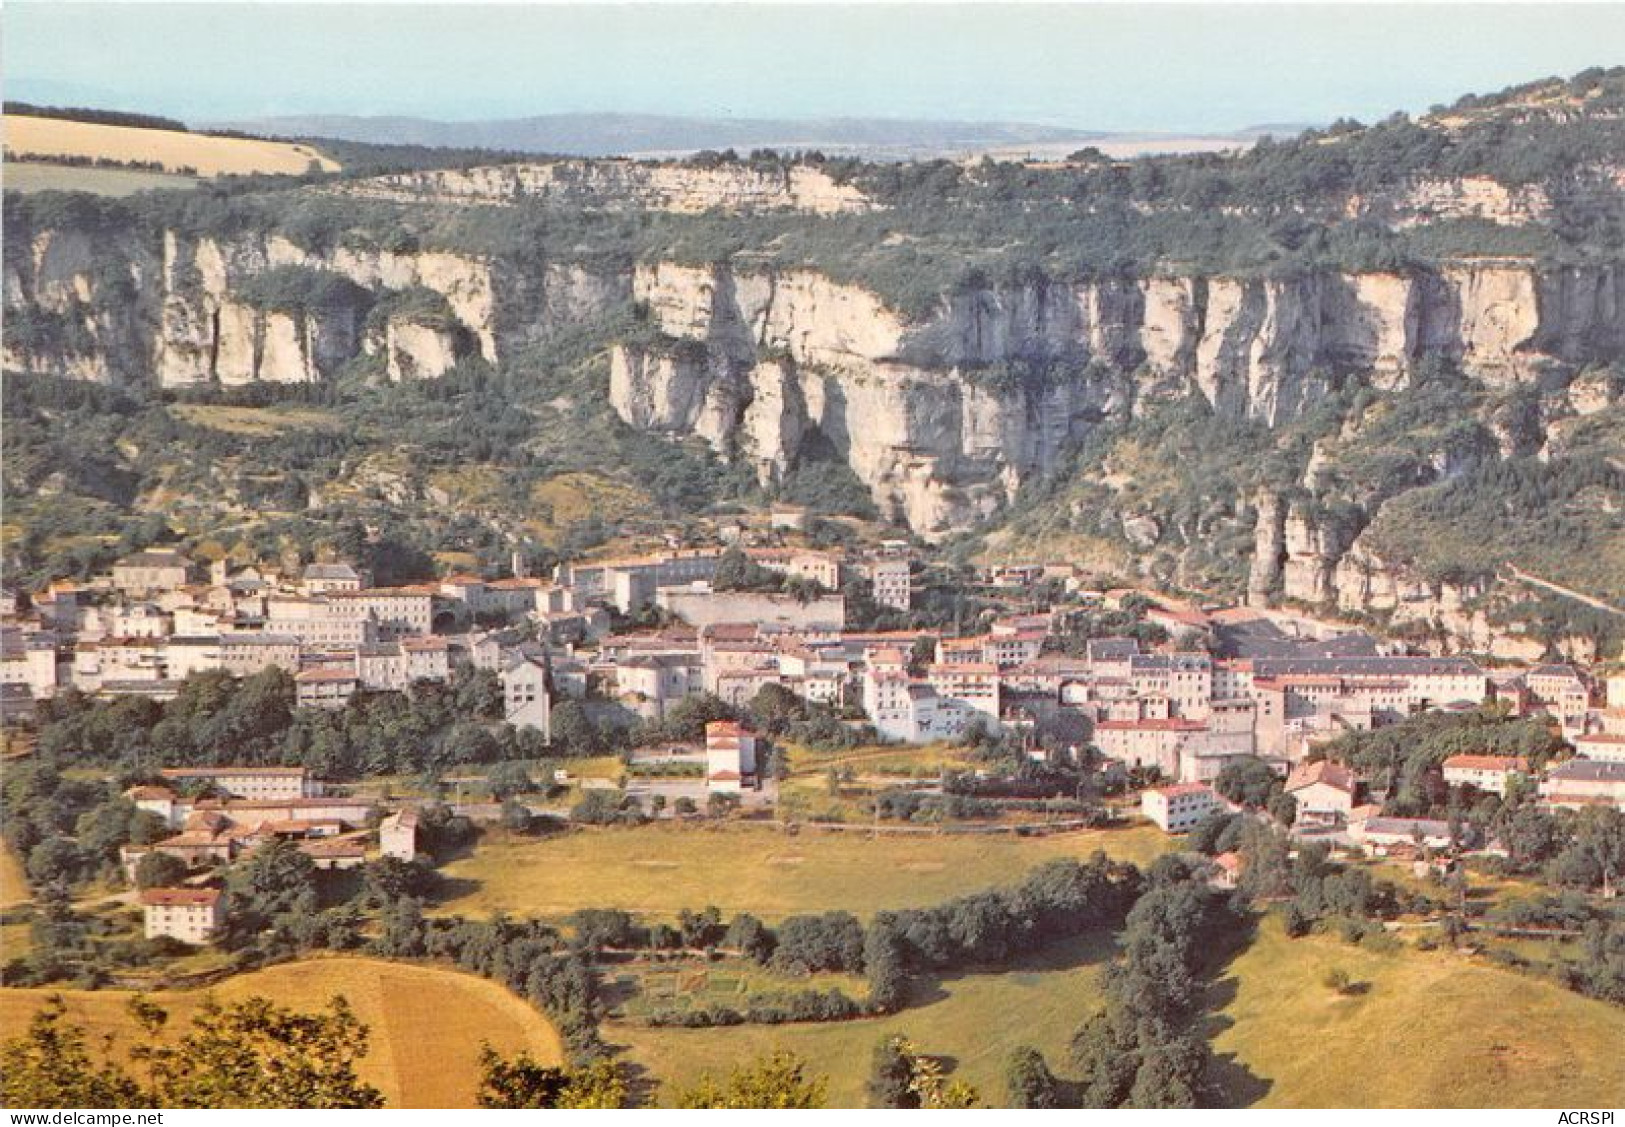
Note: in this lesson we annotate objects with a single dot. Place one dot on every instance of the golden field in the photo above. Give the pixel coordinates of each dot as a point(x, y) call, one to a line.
point(425, 1023)
point(42, 138)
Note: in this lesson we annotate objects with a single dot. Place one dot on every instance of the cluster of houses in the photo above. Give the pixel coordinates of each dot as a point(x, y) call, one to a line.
point(217, 814)
point(1175, 709)
point(1329, 795)
point(158, 618)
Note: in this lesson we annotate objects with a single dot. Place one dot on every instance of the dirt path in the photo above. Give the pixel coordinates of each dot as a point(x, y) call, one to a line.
point(1568, 592)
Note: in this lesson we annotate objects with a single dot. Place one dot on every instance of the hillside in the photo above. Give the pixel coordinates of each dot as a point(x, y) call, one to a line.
point(1440, 1030)
point(49, 139)
point(425, 1024)
point(1291, 374)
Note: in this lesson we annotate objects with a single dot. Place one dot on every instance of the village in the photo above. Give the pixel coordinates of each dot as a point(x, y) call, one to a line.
point(1155, 719)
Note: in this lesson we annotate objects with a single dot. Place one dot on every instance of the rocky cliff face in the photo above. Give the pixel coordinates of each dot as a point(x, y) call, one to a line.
point(623, 185)
point(944, 418)
point(175, 313)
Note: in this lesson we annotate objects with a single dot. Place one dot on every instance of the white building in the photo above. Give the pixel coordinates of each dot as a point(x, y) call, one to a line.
point(525, 699)
point(730, 757)
point(1609, 747)
point(274, 784)
point(191, 915)
point(1489, 773)
point(1179, 808)
point(892, 583)
point(398, 835)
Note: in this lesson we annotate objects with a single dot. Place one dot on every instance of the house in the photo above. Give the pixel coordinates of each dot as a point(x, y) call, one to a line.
point(730, 757)
point(147, 572)
point(1111, 657)
point(1383, 834)
point(256, 783)
point(1609, 747)
point(1562, 691)
point(398, 835)
point(1145, 743)
point(526, 702)
point(191, 915)
point(344, 853)
point(891, 583)
point(245, 654)
point(159, 801)
point(326, 686)
point(788, 518)
point(1585, 782)
point(974, 684)
point(1178, 808)
point(1324, 791)
point(320, 579)
point(1489, 773)
point(399, 612)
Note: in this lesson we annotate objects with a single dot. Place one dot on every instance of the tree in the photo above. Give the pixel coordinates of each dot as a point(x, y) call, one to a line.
point(389, 879)
point(525, 1084)
point(508, 779)
point(1595, 857)
point(736, 571)
point(48, 1066)
point(1248, 781)
point(750, 937)
point(516, 816)
point(776, 1080)
point(1028, 1081)
point(275, 885)
point(251, 1054)
point(56, 860)
point(891, 1074)
point(159, 870)
point(254, 1054)
point(901, 1076)
point(573, 731)
point(936, 1092)
point(686, 720)
point(719, 804)
point(774, 708)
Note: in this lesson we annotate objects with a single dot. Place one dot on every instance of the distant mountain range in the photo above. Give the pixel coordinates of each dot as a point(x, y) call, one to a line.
point(614, 134)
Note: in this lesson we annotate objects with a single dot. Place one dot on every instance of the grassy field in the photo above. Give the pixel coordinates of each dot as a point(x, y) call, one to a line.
point(13, 884)
point(255, 422)
point(636, 990)
point(426, 1023)
point(660, 869)
point(973, 1020)
point(207, 156)
point(34, 176)
point(1431, 1029)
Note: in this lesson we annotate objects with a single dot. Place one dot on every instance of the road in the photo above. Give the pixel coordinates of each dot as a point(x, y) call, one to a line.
point(1568, 592)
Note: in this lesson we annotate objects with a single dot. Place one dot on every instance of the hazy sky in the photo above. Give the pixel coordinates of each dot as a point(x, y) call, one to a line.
point(1165, 67)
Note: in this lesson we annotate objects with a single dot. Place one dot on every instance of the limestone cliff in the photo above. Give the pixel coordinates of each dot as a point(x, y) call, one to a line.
point(624, 185)
point(944, 418)
point(175, 311)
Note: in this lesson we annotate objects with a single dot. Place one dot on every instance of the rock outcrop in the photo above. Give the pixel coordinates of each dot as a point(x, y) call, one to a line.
point(625, 185)
point(943, 418)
